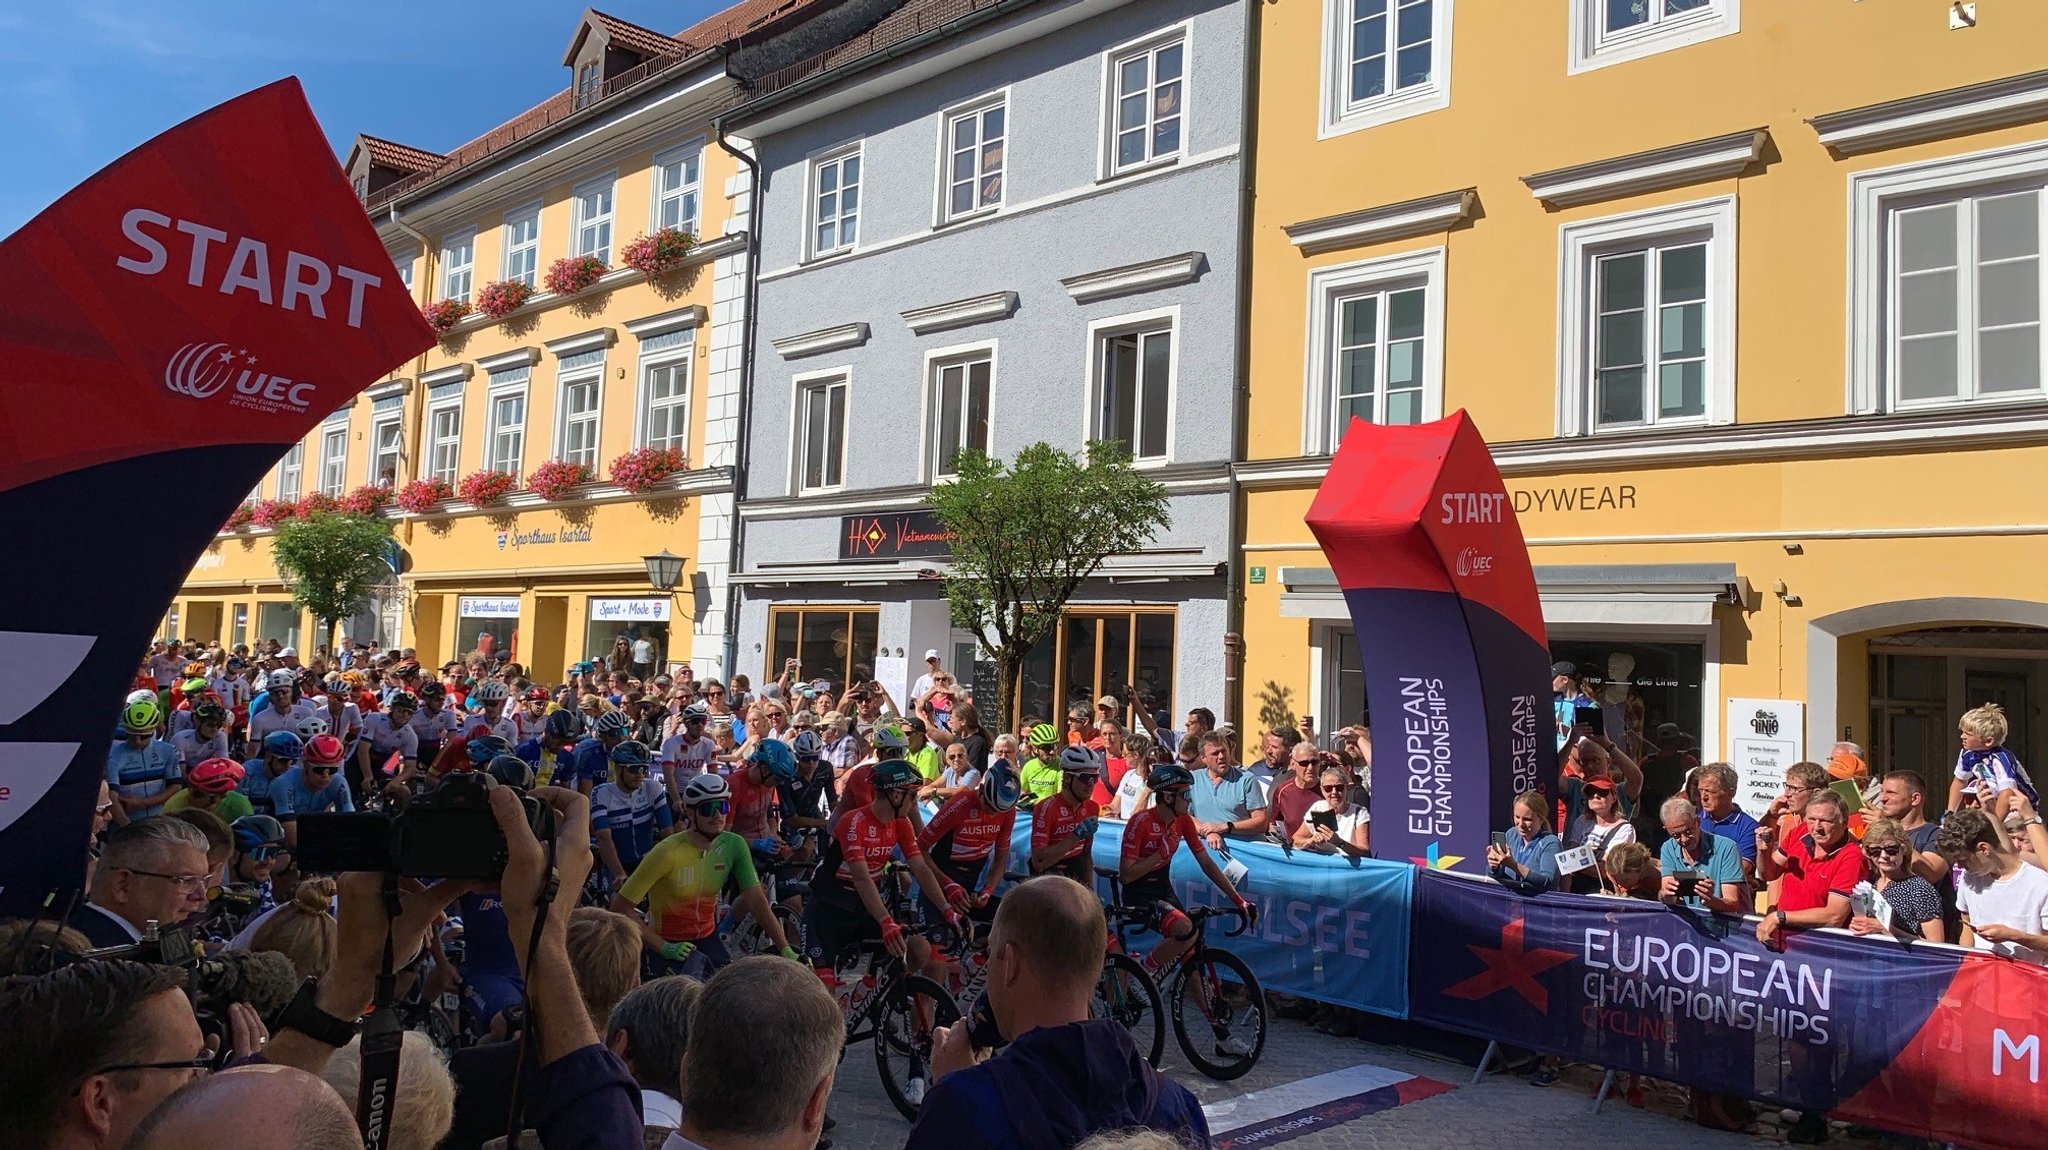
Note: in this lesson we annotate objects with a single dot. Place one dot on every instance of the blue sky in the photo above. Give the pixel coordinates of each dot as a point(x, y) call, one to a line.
point(83, 81)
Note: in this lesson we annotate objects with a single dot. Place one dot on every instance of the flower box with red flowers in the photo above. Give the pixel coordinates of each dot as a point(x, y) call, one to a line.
point(423, 495)
point(500, 299)
point(485, 488)
point(572, 275)
point(641, 469)
point(240, 517)
point(556, 479)
point(316, 502)
point(665, 251)
point(271, 512)
point(443, 314)
point(368, 499)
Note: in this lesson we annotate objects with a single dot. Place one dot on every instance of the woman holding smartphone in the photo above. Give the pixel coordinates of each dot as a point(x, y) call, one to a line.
point(1524, 858)
point(1334, 824)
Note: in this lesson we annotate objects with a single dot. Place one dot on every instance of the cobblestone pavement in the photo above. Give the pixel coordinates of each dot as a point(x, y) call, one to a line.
point(1502, 1113)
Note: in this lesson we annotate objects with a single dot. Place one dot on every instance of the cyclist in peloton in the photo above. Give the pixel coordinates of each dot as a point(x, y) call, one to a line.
point(1063, 826)
point(205, 738)
point(491, 982)
point(756, 800)
point(680, 880)
point(433, 724)
point(1040, 772)
point(628, 813)
point(259, 843)
point(386, 733)
point(1150, 840)
point(280, 752)
point(969, 838)
point(857, 787)
point(551, 751)
point(807, 798)
point(590, 763)
point(490, 696)
point(282, 708)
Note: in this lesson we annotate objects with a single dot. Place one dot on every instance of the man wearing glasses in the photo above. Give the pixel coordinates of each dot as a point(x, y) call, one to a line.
point(1294, 795)
point(313, 787)
point(150, 870)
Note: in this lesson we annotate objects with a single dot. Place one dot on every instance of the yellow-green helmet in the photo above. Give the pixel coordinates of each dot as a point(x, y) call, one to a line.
point(141, 717)
point(1045, 735)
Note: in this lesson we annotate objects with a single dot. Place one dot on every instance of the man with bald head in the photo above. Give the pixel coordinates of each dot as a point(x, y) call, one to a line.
point(1064, 1075)
point(258, 1107)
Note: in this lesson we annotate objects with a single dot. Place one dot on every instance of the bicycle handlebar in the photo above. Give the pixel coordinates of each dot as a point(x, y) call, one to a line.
point(1244, 918)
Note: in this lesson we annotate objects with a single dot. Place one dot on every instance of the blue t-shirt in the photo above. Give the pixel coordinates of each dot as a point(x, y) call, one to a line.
point(1719, 861)
point(1739, 828)
point(1230, 799)
point(292, 796)
point(143, 772)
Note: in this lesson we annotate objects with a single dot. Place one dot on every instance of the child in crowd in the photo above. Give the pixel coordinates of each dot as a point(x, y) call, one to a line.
point(1985, 768)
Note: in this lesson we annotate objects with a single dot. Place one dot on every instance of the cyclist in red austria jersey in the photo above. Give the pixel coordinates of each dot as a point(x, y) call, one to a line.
point(1150, 840)
point(848, 908)
point(1063, 826)
point(969, 838)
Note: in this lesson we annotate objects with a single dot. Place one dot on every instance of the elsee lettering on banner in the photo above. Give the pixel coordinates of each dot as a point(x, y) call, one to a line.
point(301, 279)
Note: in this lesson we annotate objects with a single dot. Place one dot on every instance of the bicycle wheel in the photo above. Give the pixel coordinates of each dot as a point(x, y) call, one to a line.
point(1223, 1031)
point(748, 938)
point(903, 1039)
point(1127, 993)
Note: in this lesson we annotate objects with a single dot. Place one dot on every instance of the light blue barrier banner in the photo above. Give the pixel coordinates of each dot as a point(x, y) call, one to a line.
point(1329, 929)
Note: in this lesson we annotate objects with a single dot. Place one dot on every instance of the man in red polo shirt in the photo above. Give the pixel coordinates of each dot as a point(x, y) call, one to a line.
point(1819, 866)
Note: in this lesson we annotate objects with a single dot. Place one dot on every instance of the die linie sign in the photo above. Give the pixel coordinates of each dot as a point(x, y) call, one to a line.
point(899, 535)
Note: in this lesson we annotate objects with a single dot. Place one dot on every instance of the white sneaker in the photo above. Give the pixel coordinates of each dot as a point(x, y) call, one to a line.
point(913, 1091)
point(1234, 1045)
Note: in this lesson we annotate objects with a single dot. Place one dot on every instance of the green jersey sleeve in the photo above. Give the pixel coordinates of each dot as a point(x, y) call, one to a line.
point(739, 861)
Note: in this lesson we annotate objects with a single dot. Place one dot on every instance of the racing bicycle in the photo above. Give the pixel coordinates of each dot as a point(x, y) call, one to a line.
point(1211, 994)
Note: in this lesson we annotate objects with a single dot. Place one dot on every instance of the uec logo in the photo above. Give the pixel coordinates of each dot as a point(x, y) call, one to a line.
point(202, 370)
point(1471, 562)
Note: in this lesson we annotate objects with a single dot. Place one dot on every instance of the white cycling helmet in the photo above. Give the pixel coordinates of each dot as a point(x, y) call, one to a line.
point(135, 697)
point(490, 691)
point(707, 787)
point(311, 727)
point(280, 678)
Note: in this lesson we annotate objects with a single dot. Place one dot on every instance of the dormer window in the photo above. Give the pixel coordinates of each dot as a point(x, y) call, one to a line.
point(587, 80)
point(606, 47)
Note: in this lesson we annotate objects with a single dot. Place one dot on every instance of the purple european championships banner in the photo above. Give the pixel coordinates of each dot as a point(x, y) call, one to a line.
point(1634, 985)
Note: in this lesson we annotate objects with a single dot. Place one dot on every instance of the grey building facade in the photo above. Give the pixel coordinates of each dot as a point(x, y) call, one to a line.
point(1027, 229)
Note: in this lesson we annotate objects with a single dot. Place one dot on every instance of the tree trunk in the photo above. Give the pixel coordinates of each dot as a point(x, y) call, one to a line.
point(1009, 660)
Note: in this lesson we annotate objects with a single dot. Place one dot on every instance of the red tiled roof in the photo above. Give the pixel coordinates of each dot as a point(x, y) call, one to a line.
point(390, 154)
point(634, 38)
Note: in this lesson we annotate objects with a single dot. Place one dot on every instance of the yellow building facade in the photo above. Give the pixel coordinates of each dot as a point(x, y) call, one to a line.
point(1746, 298)
point(631, 361)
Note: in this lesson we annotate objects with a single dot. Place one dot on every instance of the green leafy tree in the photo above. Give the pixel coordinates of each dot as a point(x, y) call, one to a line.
point(1026, 535)
point(332, 562)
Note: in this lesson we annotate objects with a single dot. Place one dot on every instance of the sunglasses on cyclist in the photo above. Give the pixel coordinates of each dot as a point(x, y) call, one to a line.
point(712, 808)
point(263, 854)
point(321, 770)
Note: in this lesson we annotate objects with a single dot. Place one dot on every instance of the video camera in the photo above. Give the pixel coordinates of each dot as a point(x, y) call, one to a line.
point(265, 982)
point(448, 832)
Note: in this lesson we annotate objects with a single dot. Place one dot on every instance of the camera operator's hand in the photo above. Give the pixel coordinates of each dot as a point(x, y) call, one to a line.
point(559, 1019)
point(359, 937)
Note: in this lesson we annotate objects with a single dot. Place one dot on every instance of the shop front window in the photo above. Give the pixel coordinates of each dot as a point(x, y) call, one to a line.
point(241, 626)
point(487, 625)
point(643, 623)
point(832, 643)
point(1639, 687)
point(279, 621)
point(1099, 653)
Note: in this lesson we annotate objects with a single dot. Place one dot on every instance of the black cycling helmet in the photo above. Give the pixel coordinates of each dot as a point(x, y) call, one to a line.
point(1168, 776)
point(404, 699)
point(511, 771)
point(563, 725)
point(432, 688)
point(631, 753)
point(210, 713)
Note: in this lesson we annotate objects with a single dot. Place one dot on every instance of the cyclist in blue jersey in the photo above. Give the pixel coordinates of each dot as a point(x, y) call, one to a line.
point(590, 763)
point(491, 983)
point(142, 772)
point(628, 813)
point(550, 750)
point(313, 787)
point(280, 752)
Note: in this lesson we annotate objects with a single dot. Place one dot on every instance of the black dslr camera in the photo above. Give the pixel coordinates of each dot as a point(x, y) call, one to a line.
point(448, 832)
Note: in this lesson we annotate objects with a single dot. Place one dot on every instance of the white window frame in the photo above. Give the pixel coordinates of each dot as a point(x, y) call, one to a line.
point(1592, 46)
point(395, 420)
point(1872, 197)
point(523, 250)
point(682, 358)
point(836, 155)
point(607, 220)
point(465, 242)
point(452, 473)
point(1099, 331)
point(1339, 113)
point(291, 473)
point(592, 376)
point(1328, 288)
point(1579, 244)
point(690, 192)
point(975, 108)
point(333, 460)
point(937, 361)
point(589, 82)
point(1148, 44)
point(800, 385)
point(493, 459)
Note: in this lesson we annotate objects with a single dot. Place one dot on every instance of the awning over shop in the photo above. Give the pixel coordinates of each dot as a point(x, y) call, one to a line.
point(1614, 594)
